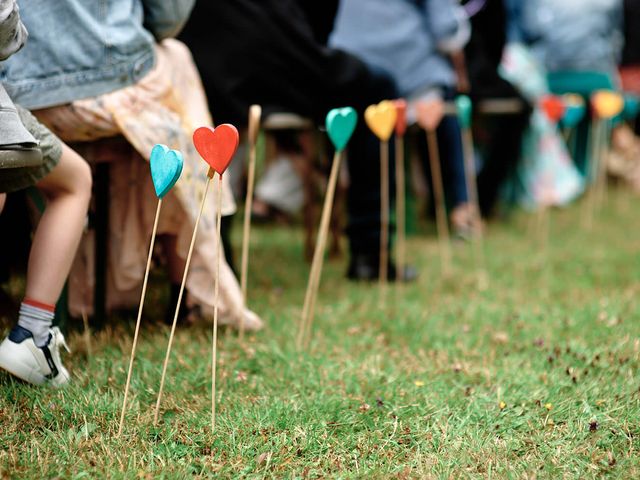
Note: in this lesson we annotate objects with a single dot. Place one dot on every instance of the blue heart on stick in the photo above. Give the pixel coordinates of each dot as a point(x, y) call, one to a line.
point(341, 122)
point(166, 167)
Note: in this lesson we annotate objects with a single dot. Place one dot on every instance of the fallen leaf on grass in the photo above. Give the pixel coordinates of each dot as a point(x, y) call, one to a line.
point(418, 383)
point(364, 407)
point(548, 406)
point(500, 338)
point(502, 405)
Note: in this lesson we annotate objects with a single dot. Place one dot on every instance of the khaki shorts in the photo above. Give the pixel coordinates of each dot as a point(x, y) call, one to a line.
point(13, 179)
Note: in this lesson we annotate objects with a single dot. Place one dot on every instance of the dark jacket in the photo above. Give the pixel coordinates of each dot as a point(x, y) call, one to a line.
point(268, 52)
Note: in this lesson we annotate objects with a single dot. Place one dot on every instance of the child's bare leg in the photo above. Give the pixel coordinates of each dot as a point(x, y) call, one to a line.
point(3, 198)
point(68, 190)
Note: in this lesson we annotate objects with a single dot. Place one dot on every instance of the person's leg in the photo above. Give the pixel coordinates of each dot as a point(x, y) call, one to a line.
point(32, 349)
point(503, 153)
point(363, 197)
point(68, 190)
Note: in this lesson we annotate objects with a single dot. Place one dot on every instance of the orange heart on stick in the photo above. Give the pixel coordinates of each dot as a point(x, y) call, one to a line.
point(381, 119)
point(553, 107)
point(401, 117)
point(430, 113)
point(217, 146)
point(607, 104)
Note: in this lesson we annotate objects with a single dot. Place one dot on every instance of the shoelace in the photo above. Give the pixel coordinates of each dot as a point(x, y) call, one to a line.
point(61, 340)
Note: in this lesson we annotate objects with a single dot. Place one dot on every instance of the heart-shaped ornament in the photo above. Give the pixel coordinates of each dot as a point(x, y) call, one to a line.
point(607, 104)
point(574, 110)
point(381, 119)
point(401, 117)
point(166, 167)
point(464, 110)
point(631, 107)
point(553, 107)
point(217, 145)
point(430, 113)
point(341, 123)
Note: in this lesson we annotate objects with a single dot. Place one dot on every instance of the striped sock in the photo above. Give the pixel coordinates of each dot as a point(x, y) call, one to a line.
point(37, 317)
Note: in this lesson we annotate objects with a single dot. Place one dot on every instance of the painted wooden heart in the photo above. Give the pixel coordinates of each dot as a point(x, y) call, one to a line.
point(607, 104)
point(464, 110)
point(217, 146)
point(166, 167)
point(381, 119)
point(401, 117)
point(553, 107)
point(341, 123)
point(574, 110)
point(430, 113)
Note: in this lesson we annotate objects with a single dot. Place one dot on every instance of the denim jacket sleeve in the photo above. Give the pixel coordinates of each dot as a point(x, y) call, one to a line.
point(448, 24)
point(13, 34)
point(165, 18)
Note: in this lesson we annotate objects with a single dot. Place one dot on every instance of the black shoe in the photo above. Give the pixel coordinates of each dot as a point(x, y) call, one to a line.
point(365, 267)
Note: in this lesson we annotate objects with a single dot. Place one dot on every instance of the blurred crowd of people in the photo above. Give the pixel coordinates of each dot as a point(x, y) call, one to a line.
point(151, 71)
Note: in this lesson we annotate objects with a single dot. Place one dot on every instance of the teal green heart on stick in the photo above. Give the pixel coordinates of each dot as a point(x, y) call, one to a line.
point(464, 109)
point(166, 167)
point(631, 107)
point(341, 123)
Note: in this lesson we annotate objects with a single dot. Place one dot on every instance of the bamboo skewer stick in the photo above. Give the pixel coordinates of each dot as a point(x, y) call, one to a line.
point(182, 285)
point(139, 318)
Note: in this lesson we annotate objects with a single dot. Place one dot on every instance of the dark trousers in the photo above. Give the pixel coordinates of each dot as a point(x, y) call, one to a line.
point(502, 153)
point(451, 158)
point(363, 152)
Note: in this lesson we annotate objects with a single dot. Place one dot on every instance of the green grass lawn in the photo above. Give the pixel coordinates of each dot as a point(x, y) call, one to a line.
point(534, 377)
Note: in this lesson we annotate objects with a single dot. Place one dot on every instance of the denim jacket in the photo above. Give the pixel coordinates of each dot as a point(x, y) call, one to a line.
point(569, 34)
point(84, 48)
point(407, 38)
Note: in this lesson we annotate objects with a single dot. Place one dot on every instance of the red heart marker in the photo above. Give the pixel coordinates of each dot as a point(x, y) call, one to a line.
point(401, 119)
point(553, 107)
point(217, 146)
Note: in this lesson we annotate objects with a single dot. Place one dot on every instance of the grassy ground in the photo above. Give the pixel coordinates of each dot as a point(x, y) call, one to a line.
point(535, 377)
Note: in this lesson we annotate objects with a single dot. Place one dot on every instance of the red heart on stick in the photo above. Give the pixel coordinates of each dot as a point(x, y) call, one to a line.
point(217, 145)
point(553, 107)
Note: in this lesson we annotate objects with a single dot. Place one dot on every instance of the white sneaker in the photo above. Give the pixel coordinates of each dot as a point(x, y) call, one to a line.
point(20, 356)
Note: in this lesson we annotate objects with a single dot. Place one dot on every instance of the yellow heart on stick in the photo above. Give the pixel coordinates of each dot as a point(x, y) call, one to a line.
point(607, 104)
point(381, 119)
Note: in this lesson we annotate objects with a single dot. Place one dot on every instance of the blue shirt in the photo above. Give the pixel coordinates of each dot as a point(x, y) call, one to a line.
point(407, 38)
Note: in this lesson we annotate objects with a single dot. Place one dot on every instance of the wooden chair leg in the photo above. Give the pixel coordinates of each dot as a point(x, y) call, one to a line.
point(101, 185)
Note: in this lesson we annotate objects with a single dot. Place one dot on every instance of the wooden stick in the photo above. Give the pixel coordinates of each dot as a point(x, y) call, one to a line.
point(216, 297)
point(472, 190)
point(592, 174)
point(308, 309)
point(438, 193)
point(384, 217)
point(254, 124)
point(184, 281)
point(601, 180)
point(139, 318)
point(400, 209)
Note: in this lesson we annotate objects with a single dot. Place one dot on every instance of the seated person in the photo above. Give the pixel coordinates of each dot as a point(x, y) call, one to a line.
point(412, 40)
point(31, 351)
point(501, 134)
point(270, 52)
point(92, 73)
